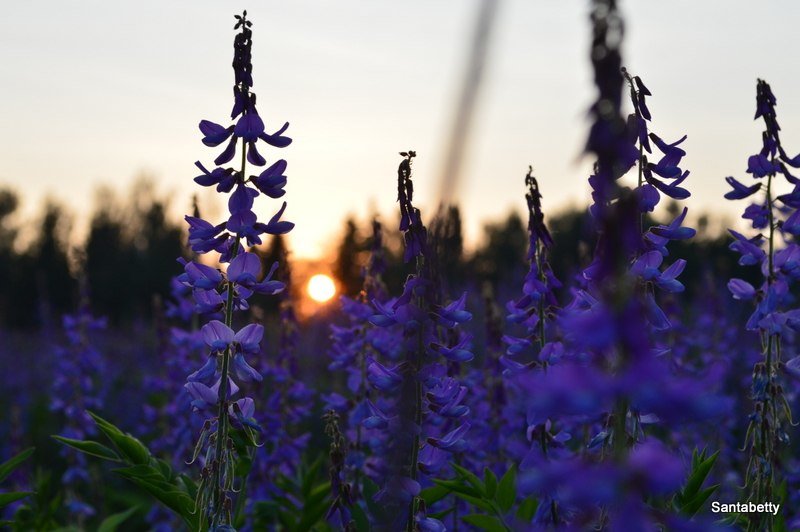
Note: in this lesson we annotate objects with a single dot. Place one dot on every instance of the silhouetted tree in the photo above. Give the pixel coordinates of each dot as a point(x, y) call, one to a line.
point(447, 242)
point(55, 286)
point(109, 262)
point(349, 260)
point(10, 267)
point(502, 257)
point(157, 243)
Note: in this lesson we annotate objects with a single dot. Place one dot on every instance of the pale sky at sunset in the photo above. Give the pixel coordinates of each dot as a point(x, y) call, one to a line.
point(99, 92)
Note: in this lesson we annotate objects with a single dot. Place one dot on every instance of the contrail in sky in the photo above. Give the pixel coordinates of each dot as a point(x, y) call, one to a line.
point(458, 140)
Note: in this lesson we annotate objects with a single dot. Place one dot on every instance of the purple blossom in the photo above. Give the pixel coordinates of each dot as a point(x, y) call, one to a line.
point(214, 291)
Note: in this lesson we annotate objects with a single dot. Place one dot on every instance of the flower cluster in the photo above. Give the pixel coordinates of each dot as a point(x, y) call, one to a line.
point(213, 386)
point(76, 389)
point(773, 317)
point(538, 302)
point(611, 377)
point(425, 417)
point(353, 346)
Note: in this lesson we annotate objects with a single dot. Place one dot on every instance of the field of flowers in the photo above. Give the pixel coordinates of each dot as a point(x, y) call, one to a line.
point(607, 394)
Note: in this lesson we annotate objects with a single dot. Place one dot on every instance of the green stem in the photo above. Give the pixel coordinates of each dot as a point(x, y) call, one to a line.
point(222, 397)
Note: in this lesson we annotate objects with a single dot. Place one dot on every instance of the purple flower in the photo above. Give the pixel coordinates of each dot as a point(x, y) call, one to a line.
point(271, 181)
point(215, 292)
point(740, 191)
point(741, 289)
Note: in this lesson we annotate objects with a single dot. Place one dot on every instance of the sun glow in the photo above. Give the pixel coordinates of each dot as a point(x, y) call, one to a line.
point(321, 288)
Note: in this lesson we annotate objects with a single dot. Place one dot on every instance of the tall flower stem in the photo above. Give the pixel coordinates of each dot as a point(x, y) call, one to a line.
point(417, 366)
point(222, 415)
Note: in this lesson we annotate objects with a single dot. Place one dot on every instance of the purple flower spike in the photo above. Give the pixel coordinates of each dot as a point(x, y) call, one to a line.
point(223, 294)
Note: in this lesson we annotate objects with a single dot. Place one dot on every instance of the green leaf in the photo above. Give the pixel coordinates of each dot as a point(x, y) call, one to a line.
point(507, 489)
point(470, 477)
point(111, 522)
point(527, 509)
point(441, 515)
point(130, 447)
point(11, 464)
point(476, 502)
point(490, 482)
point(90, 447)
point(693, 506)
point(310, 475)
point(188, 485)
point(485, 522)
point(8, 498)
point(152, 481)
point(164, 468)
point(698, 475)
point(434, 494)
point(360, 517)
point(456, 486)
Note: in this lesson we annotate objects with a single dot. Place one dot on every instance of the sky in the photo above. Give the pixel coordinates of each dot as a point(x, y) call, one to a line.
point(98, 93)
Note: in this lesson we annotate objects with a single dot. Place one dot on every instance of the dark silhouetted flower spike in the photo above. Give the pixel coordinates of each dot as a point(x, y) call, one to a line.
point(417, 404)
point(213, 386)
point(538, 300)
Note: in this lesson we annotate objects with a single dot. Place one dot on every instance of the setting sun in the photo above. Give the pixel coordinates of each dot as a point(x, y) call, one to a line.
point(321, 288)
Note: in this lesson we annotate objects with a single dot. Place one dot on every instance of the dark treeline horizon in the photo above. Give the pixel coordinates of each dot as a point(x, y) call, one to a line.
point(129, 256)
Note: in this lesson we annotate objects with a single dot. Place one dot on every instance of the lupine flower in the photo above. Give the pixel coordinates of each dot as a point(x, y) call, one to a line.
point(212, 387)
point(772, 318)
point(76, 389)
point(611, 376)
point(538, 302)
point(422, 413)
